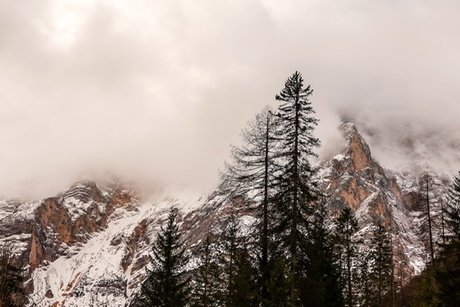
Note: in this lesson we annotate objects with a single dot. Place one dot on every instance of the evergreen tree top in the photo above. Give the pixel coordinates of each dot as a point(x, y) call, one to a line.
point(293, 89)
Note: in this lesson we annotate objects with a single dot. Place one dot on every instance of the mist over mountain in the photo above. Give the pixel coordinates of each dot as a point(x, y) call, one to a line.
point(156, 91)
point(112, 112)
point(89, 244)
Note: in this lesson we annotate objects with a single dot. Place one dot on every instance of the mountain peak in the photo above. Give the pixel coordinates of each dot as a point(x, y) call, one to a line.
point(357, 148)
point(348, 128)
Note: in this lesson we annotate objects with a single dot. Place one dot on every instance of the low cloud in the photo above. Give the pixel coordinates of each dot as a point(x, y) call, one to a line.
point(155, 91)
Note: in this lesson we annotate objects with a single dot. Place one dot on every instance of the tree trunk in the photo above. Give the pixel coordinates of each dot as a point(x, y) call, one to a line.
point(264, 260)
point(295, 200)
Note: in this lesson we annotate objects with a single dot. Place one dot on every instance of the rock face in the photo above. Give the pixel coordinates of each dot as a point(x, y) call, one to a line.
point(43, 231)
point(89, 245)
point(355, 179)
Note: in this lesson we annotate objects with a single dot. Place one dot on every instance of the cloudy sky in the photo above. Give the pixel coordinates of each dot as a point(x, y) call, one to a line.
point(156, 90)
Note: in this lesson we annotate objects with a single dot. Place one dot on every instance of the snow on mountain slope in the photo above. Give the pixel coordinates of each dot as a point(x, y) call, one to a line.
point(90, 245)
point(355, 179)
point(93, 274)
point(74, 279)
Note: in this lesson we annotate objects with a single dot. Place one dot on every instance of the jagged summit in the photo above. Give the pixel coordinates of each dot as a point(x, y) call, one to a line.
point(348, 128)
point(357, 149)
point(352, 176)
point(89, 245)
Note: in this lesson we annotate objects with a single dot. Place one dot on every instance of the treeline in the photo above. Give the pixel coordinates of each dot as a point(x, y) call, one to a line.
point(342, 270)
point(296, 254)
point(439, 283)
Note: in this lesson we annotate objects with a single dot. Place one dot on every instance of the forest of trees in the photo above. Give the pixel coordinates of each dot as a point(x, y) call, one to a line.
point(439, 283)
point(297, 254)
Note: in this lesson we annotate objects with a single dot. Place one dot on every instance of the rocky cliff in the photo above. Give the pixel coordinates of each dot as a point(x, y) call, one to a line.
point(89, 245)
point(354, 179)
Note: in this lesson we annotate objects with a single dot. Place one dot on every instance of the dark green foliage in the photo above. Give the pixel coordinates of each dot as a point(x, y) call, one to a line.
point(296, 191)
point(230, 243)
point(347, 226)
point(447, 274)
point(239, 282)
point(452, 208)
point(277, 286)
point(244, 282)
point(11, 281)
point(166, 284)
point(439, 283)
point(381, 265)
point(428, 292)
point(319, 279)
point(206, 292)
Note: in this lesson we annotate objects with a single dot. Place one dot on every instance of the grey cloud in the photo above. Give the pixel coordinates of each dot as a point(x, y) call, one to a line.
point(157, 90)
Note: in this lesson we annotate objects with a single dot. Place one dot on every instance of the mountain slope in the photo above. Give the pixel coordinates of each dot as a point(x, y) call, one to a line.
point(355, 179)
point(89, 245)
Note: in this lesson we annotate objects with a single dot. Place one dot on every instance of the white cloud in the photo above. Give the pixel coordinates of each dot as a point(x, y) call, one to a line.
point(157, 90)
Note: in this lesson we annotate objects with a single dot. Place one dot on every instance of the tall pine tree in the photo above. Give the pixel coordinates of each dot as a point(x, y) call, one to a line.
point(426, 186)
point(238, 276)
point(347, 226)
point(296, 192)
point(381, 265)
point(320, 274)
point(166, 284)
point(277, 286)
point(207, 280)
point(252, 170)
point(363, 281)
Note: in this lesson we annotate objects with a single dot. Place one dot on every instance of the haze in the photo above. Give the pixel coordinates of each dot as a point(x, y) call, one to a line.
point(155, 91)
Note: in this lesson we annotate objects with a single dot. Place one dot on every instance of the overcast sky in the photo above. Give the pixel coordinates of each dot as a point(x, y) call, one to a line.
point(156, 90)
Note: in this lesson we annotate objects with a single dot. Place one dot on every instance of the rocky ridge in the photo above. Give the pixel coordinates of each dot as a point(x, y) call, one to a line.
point(355, 179)
point(89, 245)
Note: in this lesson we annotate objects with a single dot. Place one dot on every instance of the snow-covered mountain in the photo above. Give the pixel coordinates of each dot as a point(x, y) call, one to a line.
point(89, 245)
point(353, 178)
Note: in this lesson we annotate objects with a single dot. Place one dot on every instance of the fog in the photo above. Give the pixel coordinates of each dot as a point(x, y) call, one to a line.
point(155, 91)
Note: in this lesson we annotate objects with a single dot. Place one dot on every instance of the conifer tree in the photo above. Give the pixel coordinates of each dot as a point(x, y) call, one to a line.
point(381, 264)
point(452, 208)
point(296, 192)
point(206, 292)
point(363, 282)
point(230, 243)
point(11, 281)
point(426, 184)
point(239, 286)
point(166, 284)
point(252, 170)
point(245, 282)
point(428, 293)
point(347, 226)
point(277, 286)
point(319, 274)
point(447, 274)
